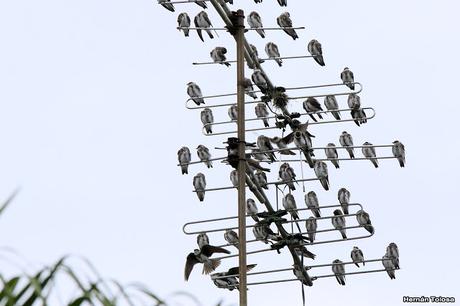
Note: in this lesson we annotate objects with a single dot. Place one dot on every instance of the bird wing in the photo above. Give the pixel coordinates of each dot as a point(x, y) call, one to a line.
point(191, 261)
point(206, 18)
point(236, 270)
point(208, 250)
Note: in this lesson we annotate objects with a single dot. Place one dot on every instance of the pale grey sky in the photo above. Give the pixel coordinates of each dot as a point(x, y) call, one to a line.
point(92, 114)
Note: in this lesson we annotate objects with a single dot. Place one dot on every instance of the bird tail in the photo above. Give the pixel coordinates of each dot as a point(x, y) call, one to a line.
point(227, 64)
point(210, 34)
point(344, 234)
point(184, 169)
point(319, 59)
point(209, 164)
point(312, 117)
point(265, 122)
point(311, 236)
point(325, 183)
point(375, 162)
point(357, 264)
point(210, 265)
point(369, 228)
point(336, 115)
point(307, 253)
point(336, 164)
point(287, 152)
point(345, 208)
point(291, 185)
point(255, 218)
point(200, 35)
point(186, 31)
point(317, 212)
point(261, 33)
point(320, 117)
point(280, 62)
point(401, 162)
point(200, 195)
point(351, 153)
point(208, 129)
point(308, 158)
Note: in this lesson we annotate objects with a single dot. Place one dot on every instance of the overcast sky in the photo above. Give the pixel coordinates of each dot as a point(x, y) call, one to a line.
point(92, 114)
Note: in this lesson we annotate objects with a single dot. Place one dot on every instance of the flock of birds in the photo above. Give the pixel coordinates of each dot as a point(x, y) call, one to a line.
point(263, 151)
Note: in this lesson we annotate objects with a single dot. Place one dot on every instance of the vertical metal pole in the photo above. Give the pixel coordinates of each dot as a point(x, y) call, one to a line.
point(239, 37)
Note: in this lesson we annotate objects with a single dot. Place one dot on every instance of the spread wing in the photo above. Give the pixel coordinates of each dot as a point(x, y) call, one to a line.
point(191, 261)
point(208, 250)
point(236, 270)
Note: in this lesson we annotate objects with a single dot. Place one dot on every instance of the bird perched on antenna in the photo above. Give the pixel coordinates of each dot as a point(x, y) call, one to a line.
point(233, 112)
point(282, 145)
point(202, 256)
point(346, 140)
point(262, 113)
point(322, 174)
point(184, 158)
point(331, 104)
point(273, 53)
point(199, 182)
point(249, 89)
point(207, 119)
point(311, 226)
point(202, 21)
point(344, 199)
point(348, 78)
point(369, 152)
point(311, 105)
point(399, 152)
point(331, 153)
point(264, 144)
point(255, 22)
point(311, 200)
point(259, 80)
point(183, 22)
point(314, 47)
point(218, 56)
point(287, 175)
point(231, 281)
point(389, 266)
point(338, 221)
point(393, 253)
point(357, 256)
point(232, 238)
point(202, 4)
point(194, 92)
point(284, 21)
point(251, 209)
point(364, 220)
point(339, 270)
point(204, 155)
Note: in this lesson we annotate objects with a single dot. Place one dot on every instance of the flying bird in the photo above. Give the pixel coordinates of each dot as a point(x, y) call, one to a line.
point(261, 179)
point(231, 281)
point(363, 219)
point(369, 152)
point(251, 209)
point(232, 238)
point(322, 174)
point(331, 153)
point(346, 141)
point(255, 22)
point(183, 21)
point(202, 21)
point(399, 152)
point(311, 105)
point(339, 223)
point(344, 199)
point(311, 226)
point(167, 5)
point(202, 256)
point(207, 119)
point(202, 240)
point(338, 269)
point(287, 175)
point(393, 254)
point(194, 93)
point(284, 21)
point(282, 145)
point(264, 144)
point(273, 53)
point(233, 112)
point(331, 104)
point(259, 80)
point(311, 200)
point(249, 89)
point(234, 178)
point(348, 78)
point(389, 266)
point(262, 113)
point(314, 47)
point(218, 56)
point(357, 256)
point(202, 4)
point(204, 155)
point(199, 182)
point(184, 158)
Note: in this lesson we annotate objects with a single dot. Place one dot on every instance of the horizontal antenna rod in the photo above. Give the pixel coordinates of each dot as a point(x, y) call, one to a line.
point(263, 59)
